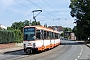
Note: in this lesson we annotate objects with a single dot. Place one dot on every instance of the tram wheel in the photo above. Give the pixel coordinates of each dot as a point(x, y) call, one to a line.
point(29, 51)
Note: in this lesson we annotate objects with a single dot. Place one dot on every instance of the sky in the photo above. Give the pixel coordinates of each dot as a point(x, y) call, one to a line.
point(54, 12)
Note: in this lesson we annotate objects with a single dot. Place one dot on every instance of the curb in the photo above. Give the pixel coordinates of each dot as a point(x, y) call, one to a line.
point(88, 45)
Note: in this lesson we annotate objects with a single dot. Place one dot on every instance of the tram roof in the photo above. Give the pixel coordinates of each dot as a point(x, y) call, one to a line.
point(43, 28)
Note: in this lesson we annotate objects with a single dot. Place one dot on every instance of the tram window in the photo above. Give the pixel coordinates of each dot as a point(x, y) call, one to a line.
point(48, 35)
point(42, 34)
point(56, 36)
point(38, 34)
point(45, 34)
point(52, 35)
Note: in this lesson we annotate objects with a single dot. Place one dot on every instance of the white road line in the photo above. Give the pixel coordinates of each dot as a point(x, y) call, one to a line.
point(75, 59)
point(80, 52)
point(78, 56)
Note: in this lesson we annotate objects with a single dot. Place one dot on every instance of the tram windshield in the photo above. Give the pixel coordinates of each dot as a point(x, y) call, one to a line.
point(29, 33)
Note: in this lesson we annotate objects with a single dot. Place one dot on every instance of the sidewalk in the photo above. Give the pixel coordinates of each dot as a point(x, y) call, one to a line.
point(86, 43)
point(20, 48)
point(10, 49)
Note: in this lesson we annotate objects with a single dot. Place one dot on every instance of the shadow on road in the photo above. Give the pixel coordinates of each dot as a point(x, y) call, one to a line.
point(21, 52)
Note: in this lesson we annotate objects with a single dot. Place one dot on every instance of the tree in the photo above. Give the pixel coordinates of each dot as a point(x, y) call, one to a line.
point(35, 23)
point(80, 9)
point(0, 28)
point(68, 29)
point(20, 25)
point(26, 23)
point(17, 25)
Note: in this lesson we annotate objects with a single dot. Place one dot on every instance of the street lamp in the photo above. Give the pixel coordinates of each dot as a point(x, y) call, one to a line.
point(34, 16)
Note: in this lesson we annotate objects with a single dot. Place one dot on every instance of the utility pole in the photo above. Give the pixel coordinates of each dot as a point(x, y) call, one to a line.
point(34, 16)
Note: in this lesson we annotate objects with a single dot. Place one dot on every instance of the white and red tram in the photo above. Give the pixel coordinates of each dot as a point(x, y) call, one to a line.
point(39, 38)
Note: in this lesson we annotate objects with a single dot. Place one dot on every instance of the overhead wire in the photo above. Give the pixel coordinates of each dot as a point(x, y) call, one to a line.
point(52, 7)
point(40, 7)
point(28, 7)
point(21, 4)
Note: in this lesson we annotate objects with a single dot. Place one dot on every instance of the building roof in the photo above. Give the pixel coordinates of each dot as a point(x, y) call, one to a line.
point(59, 28)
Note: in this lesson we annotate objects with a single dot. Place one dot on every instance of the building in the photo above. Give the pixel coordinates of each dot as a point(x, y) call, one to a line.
point(72, 36)
point(58, 28)
point(69, 35)
point(3, 27)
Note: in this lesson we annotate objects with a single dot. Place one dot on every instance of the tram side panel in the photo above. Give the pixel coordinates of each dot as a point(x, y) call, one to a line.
point(39, 45)
point(47, 43)
point(52, 43)
point(43, 44)
point(57, 42)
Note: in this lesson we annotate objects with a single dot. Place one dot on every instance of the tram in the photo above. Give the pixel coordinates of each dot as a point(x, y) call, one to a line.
point(39, 38)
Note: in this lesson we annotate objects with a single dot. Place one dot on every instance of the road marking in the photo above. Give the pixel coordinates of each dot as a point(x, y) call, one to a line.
point(75, 59)
point(81, 50)
point(80, 53)
point(78, 56)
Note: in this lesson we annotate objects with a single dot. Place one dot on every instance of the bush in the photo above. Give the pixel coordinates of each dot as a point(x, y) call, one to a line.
point(6, 36)
point(11, 36)
point(18, 36)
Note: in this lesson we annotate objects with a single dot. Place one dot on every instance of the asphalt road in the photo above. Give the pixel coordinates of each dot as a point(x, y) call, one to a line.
point(68, 50)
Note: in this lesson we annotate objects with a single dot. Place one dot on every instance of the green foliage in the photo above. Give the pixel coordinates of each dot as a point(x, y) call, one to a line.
point(62, 34)
point(6, 36)
point(0, 28)
point(11, 36)
point(17, 25)
point(35, 23)
point(80, 9)
point(20, 25)
point(26, 23)
point(18, 36)
point(67, 29)
point(15, 32)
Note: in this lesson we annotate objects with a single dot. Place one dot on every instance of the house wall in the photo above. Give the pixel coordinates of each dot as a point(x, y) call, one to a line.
point(3, 27)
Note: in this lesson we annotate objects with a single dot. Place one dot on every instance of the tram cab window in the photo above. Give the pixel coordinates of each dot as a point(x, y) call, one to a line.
point(25, 36)
point(29, 33)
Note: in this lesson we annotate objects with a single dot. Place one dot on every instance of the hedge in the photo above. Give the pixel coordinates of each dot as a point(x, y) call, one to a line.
point(6, 36)
point(11, 36)
point(18, 36)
